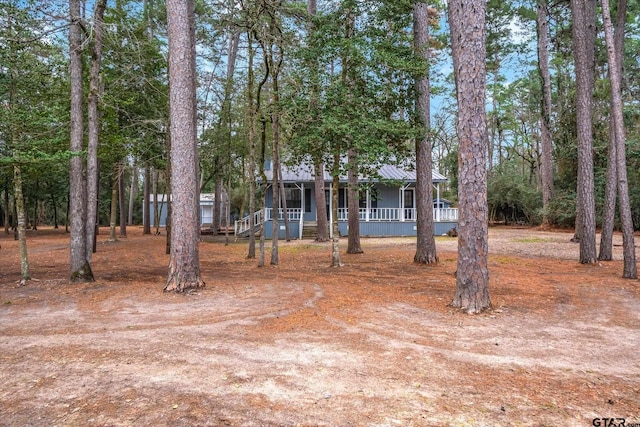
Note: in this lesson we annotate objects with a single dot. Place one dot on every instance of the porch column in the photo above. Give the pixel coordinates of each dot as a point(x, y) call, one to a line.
point(302, 201)
point(402, 188)
point(438, 212)
point(401, 213)
point(367, 206)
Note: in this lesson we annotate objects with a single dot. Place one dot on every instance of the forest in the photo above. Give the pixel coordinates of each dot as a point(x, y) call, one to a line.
point(85, 87)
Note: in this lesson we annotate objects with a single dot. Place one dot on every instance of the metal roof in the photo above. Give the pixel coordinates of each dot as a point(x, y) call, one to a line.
point(304, 173)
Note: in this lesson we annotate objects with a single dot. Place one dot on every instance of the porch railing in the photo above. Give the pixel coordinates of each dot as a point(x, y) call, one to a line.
point(445, 214)
point(365, 215)
point(244, 224)
point(398, 214)
point(292, 214)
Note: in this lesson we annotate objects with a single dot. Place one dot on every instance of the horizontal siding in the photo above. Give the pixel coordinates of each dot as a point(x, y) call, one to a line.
point(368, 229)
point(294, 230)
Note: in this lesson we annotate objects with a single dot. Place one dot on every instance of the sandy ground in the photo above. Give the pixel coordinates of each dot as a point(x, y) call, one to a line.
point(373, 343)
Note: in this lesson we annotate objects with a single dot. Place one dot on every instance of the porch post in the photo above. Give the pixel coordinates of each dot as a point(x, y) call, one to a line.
point(401, 216)
point(302, 202)
point(438, 212)
point(367, 206)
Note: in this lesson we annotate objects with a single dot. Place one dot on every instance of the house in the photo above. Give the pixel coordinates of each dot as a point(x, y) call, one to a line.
point(207, 202)
point(387, 204)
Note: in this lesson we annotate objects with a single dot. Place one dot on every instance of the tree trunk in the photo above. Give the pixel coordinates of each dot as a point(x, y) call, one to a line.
point(146, 218)
point(132, 194)
point(6, 206)
point(322, 222)
point(80, 265)
point(216, 220)
point(122, 200)
point(584, 34)
point(617, 121)
point(321, 203)
point(263, 176)
point(609, 209)
point(335, 240)
point(25, 275)
point(113, 216)
point(546, 165)
point(467, 25)
point(66, 219)
point(96, 228)
point(169, 205)
point(426, 243)
point(252, 148)
point(93, 128)
point(275, 188)
point(184, 261)
point(353, 204)
point(275, 128)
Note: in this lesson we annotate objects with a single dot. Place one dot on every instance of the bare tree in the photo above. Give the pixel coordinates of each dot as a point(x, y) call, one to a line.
point(321, 206)
point(545, 119)
point(122, 200)
point(253, 113)
point(353, 203)
point(184, 260)
point(335, 238)
point(113, 209)
point(468, 45)
point(584, 36)
point(322, 222)
point(80, 265)
point(25, 274)
point(426, 242)
point(275, 56)
point(93, 127)
point(353, 195)
point(132, 193)
point(611, 188)
point(146, 217)
point(617, 121)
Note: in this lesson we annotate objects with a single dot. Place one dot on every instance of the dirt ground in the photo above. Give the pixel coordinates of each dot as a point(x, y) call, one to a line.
point(373, 343)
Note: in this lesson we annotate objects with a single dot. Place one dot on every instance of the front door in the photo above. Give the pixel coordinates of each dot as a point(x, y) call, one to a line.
point(409, 203)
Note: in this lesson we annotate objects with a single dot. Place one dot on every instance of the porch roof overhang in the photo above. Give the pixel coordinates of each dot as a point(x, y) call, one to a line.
point(305, 173)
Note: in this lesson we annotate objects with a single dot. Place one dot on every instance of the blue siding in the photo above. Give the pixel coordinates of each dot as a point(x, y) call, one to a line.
point(294, 230)
point(389, 229)
point(388, 197)
point(367, 229)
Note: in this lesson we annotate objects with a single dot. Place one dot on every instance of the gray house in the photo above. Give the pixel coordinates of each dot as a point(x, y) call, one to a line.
point(387, 204)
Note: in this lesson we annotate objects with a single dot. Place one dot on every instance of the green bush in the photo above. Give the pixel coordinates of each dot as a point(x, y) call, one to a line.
point(512, 199)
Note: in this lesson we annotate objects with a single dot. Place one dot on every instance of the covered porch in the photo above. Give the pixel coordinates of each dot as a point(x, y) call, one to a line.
point(387, 205)
point(375, 220)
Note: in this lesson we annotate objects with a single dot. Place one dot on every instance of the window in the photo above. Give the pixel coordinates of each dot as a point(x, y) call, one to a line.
point(307, 200)
point(373, 198)
point(293, 198)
